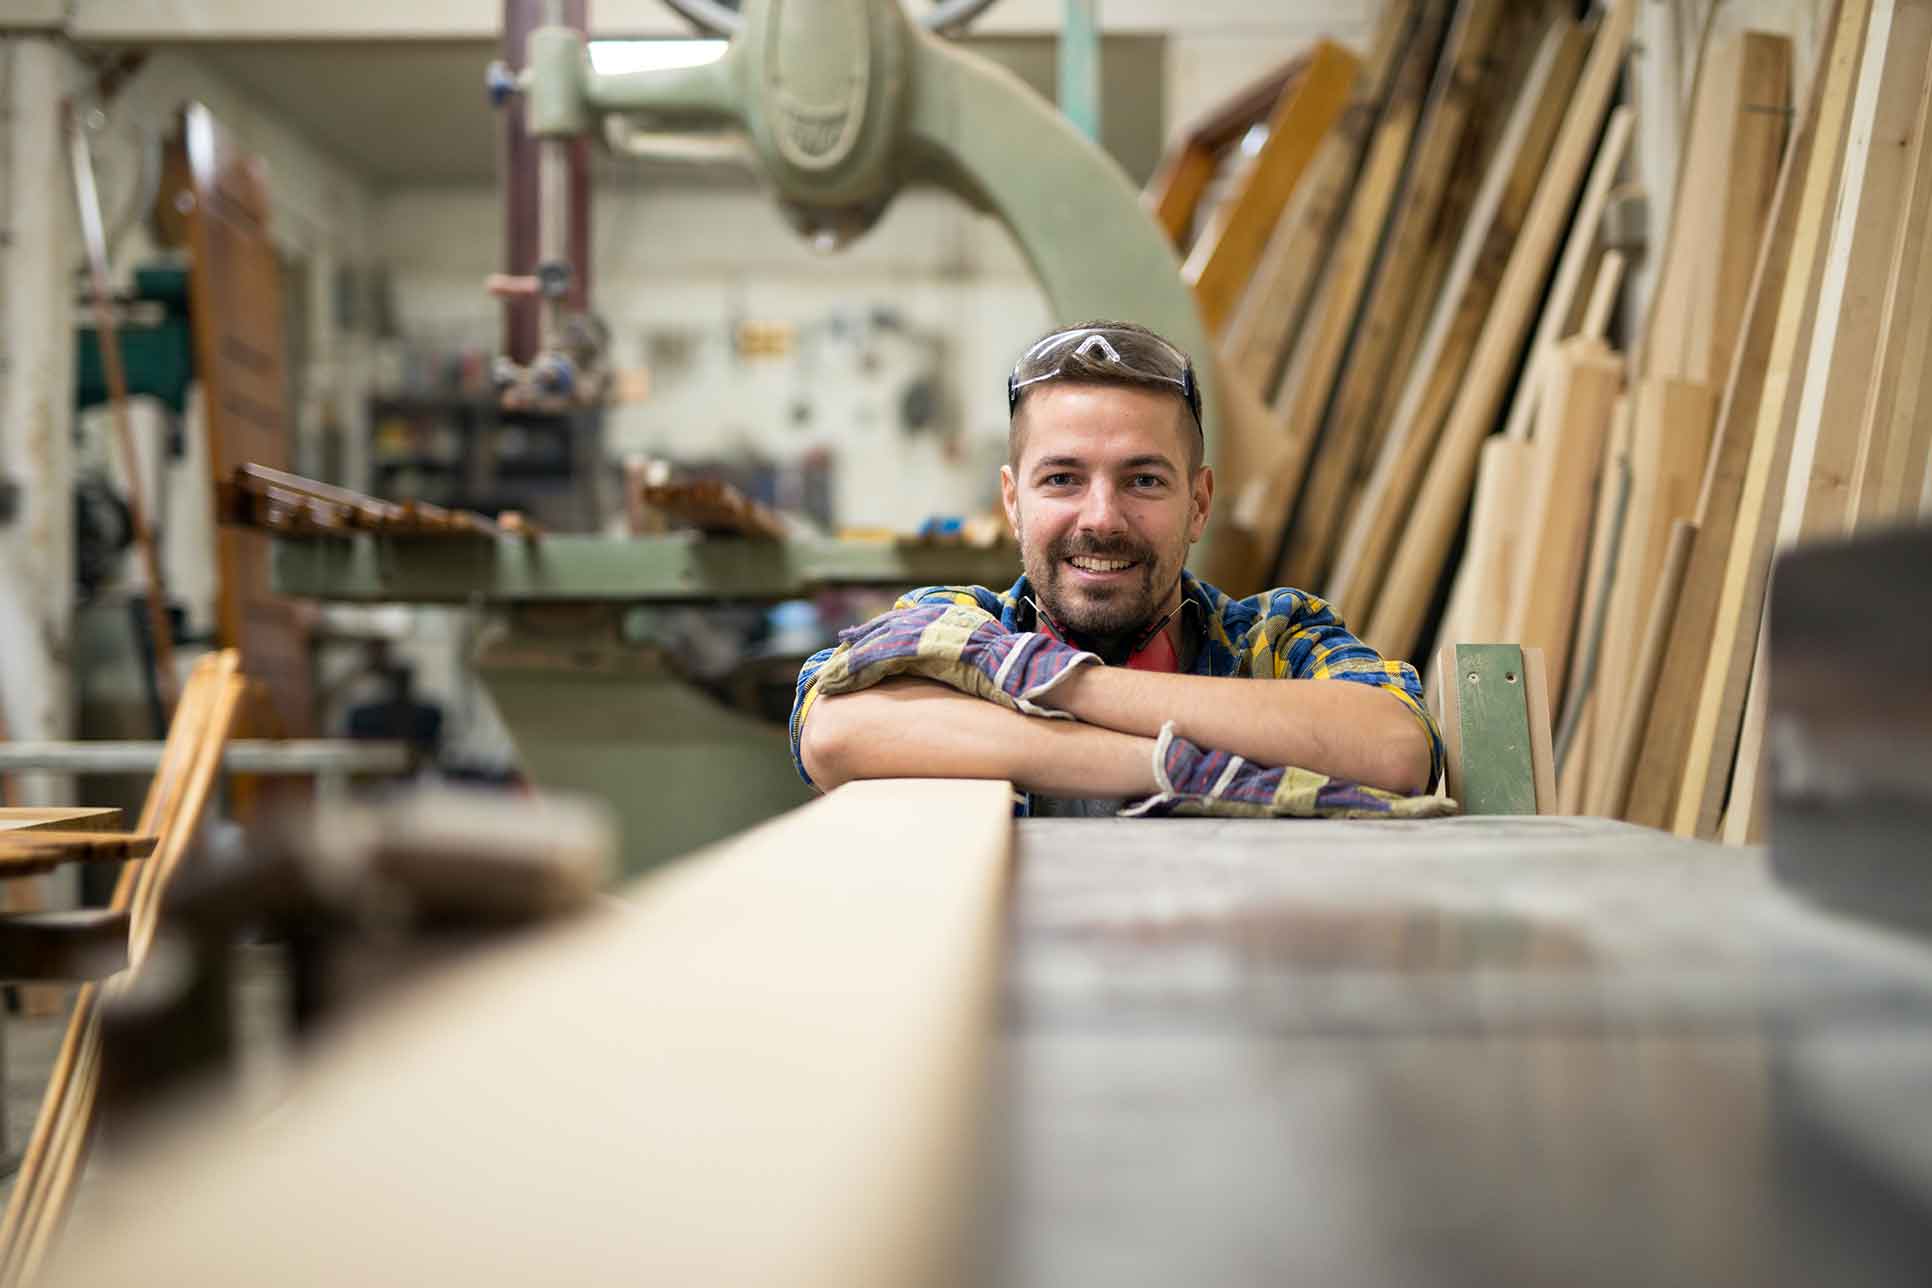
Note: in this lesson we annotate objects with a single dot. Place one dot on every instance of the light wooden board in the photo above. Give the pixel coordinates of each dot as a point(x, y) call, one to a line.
point(1398, 290)
point(1304, 395)
point(1173, 195)
point(1644, 666)
point(1586, 379)
point(1426, 535)
point(1584, 234)
point(1826, 444)
point(1224, 258)
point(1727, 650)
point(1606, 532)
point(1754, 156)
point(1670, 439)
point(1536, 697)
point(1474, 275)
point(64, 818)
point(1891, 409)
point(765, 1072)
point(1276, 298)
point(1746, 807)
point(1653, 797)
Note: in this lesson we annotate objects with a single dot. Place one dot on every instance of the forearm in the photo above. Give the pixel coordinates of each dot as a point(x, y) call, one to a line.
point(919, 729)
point(1336, 727)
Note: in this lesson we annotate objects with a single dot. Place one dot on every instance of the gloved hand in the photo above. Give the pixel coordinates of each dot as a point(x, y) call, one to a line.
point(1197, 780)
point(958, 645)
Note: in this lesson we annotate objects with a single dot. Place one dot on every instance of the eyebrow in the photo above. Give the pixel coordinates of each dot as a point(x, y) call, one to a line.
point(1131, 463)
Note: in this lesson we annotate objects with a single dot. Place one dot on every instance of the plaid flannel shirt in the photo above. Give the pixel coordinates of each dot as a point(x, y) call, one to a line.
point(1277, 635)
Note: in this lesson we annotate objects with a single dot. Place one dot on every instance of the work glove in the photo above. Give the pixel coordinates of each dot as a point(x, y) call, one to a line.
point(958, 645)
point(1197, 780)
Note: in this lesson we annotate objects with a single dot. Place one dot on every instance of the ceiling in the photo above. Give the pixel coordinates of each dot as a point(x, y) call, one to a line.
point(414, 112)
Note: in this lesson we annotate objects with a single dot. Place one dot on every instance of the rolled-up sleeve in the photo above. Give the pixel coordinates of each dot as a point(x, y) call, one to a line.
point(1304, 640)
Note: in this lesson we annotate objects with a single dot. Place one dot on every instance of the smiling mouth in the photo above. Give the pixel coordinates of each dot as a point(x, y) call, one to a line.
point(1089, 564)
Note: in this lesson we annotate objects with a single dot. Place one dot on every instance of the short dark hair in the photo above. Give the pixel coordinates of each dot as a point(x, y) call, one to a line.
point(1136, 350)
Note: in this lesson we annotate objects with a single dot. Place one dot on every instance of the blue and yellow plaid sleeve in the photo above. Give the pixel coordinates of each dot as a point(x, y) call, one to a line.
point(1301, 638)
point(807, 690)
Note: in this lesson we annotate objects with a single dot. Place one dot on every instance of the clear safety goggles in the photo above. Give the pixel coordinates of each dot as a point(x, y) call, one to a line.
point(1153, 359)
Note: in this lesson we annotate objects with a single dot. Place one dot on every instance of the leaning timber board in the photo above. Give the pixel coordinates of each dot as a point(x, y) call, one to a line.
point(1461, 77)
point(1418, 562)
point(1324, 339)
point(1733, 633)
point(1467, 294)
point(1224, 257)
point(1277, 295)
point(1653, 793)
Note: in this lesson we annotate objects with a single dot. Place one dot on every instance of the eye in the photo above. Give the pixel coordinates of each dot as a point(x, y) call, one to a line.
point(1149, 482)
point(1062, 479)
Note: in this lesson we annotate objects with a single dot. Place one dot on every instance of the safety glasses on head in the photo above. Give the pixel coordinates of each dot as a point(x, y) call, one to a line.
point(1090, 350)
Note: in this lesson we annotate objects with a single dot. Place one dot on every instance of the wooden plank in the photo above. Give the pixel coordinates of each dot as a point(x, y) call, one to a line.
point(1577, 253)
point(1469, 289)
point(1749, 802)
point(1653, 795)
point(1573, 771)
point(1426, 535)
point(1756, 149)
point(1324, 339)
point(1536, 698)
point(1400, 286)
point(1727, 647)
point(1490, 768)
point(1670, 438)
point(1224, 257)
point(1645, 666)
point(1277, 296)
point(1479, 611)
point(1827, 442)
point(66, 818)
point(1606, 532)
point(1891, 410)
point(1176, 189)
point(1173, 194)
point(1585, 382)
point(807, 987)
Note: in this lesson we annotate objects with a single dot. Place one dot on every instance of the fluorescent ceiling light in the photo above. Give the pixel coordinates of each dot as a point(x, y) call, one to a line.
point(614, 57)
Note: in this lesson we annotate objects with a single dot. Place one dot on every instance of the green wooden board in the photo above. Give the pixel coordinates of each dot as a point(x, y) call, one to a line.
point(1492, 697)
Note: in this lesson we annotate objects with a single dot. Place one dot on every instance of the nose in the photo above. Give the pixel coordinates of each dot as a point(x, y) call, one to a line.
point(1100, 511)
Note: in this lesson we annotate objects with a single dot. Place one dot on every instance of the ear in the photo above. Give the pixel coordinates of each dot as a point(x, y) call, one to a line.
point(1202, 494)
point(1010, 499)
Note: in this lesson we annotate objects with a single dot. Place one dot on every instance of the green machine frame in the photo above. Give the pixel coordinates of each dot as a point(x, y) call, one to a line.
point(844, 103)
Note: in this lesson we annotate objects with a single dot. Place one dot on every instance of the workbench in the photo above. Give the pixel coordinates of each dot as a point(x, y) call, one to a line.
point(1473, 1051)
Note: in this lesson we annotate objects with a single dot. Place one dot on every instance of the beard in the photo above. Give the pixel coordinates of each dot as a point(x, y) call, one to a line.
point(1105, 616)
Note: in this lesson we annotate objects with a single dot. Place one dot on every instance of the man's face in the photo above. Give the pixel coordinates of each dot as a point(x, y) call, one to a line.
point(1102, 503)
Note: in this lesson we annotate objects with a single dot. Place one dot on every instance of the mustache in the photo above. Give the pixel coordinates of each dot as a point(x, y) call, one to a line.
point(1093, 548)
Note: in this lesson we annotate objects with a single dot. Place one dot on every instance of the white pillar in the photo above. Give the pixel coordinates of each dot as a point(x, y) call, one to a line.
point(36, 401)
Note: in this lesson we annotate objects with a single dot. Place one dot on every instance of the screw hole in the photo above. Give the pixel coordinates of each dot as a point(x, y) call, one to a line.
point(1509, 677)
point(1475, 678)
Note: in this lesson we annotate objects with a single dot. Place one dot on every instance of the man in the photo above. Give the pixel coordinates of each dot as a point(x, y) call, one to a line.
point(1105, 489)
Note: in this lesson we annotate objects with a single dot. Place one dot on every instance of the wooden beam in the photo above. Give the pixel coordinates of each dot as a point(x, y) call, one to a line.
point(1905, 330)
point(1670, 439)
point(1585, 232)
point(1486, 728)
point(1732, 635)
point(1418, 562)
point(1826, 444)
point(1467, 293)
point(1224, 257)
point(1270, 313)
point(1586, 379)
point(1645, 665)
point(1462, 77)
point(1330, 324)
point(801, 1109)
point(1666, 740)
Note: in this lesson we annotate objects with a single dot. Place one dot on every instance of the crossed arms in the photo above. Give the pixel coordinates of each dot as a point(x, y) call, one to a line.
point(919, 728)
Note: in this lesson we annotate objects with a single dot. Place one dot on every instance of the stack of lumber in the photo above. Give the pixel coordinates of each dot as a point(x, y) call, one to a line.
point(712, 505)
point(289, 505)
point(177, 797)
point(1465, 443)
